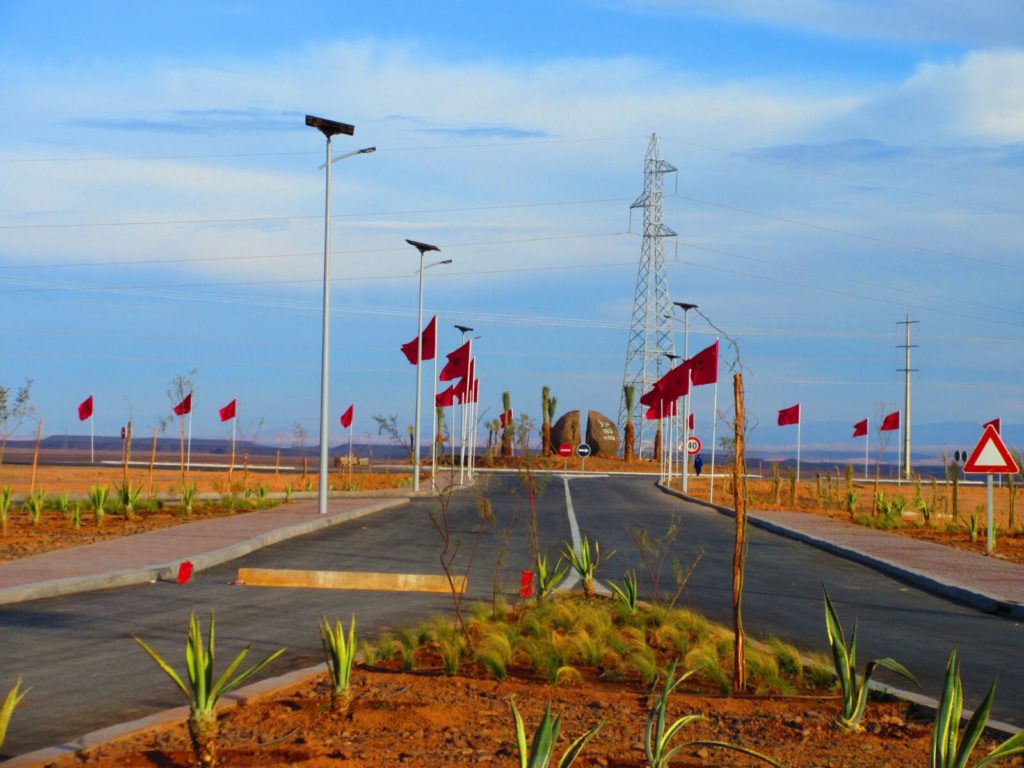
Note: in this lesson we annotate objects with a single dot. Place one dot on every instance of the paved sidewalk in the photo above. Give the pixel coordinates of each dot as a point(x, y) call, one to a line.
point(156, 555)
point(986, 583)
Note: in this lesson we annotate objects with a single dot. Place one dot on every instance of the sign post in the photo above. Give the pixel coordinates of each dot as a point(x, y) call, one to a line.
point(990, 457)
point(565, 451)
point(583, 450)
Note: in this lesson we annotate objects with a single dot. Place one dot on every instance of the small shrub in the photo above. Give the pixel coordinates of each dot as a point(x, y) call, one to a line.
point(494, 651)
point(6, 496)
point(548, 577)
point(34, 503)
point(13, 698)
point(339, 655)
point(188, 497)
point(627, 592)
point(585, 562)
point(98, 500)
point(63, 505)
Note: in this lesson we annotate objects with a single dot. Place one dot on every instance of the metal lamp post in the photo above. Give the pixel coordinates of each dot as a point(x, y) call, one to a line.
point(329, 128)
point(667, 441)
point(422, 248)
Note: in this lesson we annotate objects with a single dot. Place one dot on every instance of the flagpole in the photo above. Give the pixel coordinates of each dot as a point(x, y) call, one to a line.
point(92, 449)
point(462, 447)
point(350, 457)
point(867, 438)
point(714, 427)
point(433, 411)
point(188, 456)
point(899, 455)
point(685, 461)
point(799, 420)
point(234, 424)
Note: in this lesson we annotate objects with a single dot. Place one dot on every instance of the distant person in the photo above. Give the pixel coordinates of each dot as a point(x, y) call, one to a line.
point(698, 465)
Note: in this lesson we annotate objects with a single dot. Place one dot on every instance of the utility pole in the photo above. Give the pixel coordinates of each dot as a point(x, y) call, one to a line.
point(906, 369)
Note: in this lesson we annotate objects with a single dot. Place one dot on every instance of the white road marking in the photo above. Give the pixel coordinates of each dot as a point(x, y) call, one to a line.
point(577, 541)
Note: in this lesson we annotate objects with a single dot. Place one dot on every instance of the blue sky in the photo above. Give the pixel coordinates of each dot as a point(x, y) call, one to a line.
point(841, 165)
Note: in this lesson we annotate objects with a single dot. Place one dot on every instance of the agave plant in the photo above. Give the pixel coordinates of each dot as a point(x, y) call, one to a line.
point(188, 497)
point(548, 577)
point(98, 499)
point(340, 655)
point(6, 496)
point(585, 562)
point(14, 697)
point(658, 739)
point(34, 503)
point(63, 505)
point(128, 497)
point(539, 753)
point(950, 748)
point(202, 691)
point(627, 592)
point(854, 690)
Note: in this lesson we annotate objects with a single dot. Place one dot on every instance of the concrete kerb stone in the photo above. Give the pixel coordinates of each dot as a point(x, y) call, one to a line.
point(168, 571)
point(960, 594)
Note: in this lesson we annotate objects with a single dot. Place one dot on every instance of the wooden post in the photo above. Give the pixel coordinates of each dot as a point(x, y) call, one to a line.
point(127, 453)
point(739, 677)
point(35, 458)
point(152, 462)
point(277, 463)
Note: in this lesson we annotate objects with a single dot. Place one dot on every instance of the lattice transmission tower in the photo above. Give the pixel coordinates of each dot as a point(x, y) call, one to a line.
point(650, 329)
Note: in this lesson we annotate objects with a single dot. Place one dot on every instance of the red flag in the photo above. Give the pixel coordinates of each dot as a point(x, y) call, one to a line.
point(457, 366)
point(676, 382)
point(691, 423)
point(85, 409)
point(346, 417)
point(789, 415)
point(860, 428)
point(185, 406)
point(662, 410)
point(704, 366)
point(476, 390)
point(994, 423)
point(507, 419)
point(446, 398)
point(228, 411)
point(429, 336)
point(891, 422)
point(653, 396)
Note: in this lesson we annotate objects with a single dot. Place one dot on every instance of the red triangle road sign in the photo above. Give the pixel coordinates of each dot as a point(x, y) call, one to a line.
point(990, 456)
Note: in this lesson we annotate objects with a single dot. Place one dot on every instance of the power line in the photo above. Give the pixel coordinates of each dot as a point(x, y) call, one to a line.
point(318, 217)
point(848, 233)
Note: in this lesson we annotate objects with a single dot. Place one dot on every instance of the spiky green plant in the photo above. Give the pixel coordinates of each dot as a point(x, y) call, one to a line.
point(63, 505)
point(548, 577)
point(288, 491)
point(585, 562)
point(34, 503)
point(128, 498)
point(854, 690)
point(851, 502)
point(76, 516)
point(339, 655)
point(658, 739)
point(539, 753)
point(6, 497)
point(627, 592)
point(202, 691)
point(14, 697)
point(952, 749)
point(188, 497)
point(98, 499)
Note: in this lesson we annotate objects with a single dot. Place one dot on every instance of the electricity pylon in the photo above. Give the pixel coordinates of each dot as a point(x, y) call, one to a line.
point(650, 329)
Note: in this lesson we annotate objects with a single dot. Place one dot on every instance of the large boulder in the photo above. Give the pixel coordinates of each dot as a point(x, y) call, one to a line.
point(566, 430)
point(602, 435)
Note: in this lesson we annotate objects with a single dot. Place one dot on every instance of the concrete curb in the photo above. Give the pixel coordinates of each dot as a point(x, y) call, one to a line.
point(168, 571)
point(927, 582)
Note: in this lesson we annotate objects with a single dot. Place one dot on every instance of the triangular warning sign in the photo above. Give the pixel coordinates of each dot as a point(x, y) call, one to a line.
point(990, 456)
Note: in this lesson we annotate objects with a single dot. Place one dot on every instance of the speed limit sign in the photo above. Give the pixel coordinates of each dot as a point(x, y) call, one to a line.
point(693, 445)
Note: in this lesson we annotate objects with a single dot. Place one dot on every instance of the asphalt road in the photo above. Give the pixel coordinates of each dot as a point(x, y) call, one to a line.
point(85, 671)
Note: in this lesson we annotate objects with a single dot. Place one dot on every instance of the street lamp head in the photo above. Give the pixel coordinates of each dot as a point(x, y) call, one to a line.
point(329, 127)
point(445, 261)
point(367, 150)
point(422, 247)
point(684, 306)
point(463, 328)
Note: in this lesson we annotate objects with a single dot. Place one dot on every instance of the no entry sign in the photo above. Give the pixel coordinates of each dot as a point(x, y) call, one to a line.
point(565, 449)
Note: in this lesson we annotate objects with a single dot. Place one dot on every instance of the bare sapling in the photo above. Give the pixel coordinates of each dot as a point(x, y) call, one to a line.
point(508, 430)
point(739, 554)
point(545, 428)
point(440, 518)
point(653, 551)
point(35, 458)
point(12, 414)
